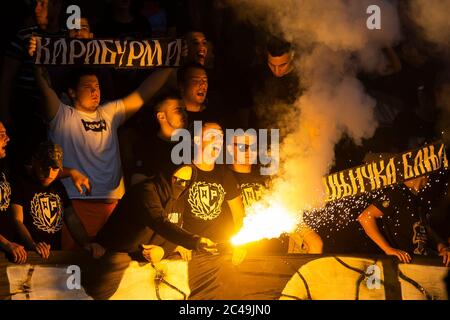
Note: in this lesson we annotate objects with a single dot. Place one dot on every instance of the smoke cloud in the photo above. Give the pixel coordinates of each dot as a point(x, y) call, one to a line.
point(432, 18)
point(333, 44)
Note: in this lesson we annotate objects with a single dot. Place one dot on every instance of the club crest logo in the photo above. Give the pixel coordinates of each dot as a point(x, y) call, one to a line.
point(5, 194)
point(251, 192)
point(206, 200)
point(47, 212)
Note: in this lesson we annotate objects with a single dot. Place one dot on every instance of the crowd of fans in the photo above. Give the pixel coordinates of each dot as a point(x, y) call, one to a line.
point(86, 153)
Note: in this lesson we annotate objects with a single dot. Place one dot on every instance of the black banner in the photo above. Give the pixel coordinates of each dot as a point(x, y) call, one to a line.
point(115, 53)
point(386, 171)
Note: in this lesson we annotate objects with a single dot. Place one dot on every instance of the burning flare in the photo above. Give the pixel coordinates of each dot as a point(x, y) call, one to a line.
point(266, 221)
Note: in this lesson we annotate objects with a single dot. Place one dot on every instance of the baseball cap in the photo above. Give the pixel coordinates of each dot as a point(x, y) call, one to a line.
point(49, 154)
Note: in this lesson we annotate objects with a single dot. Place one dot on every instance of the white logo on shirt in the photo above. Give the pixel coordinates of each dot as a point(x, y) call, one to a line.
point(47, 212)
point(96, 126)
point(206, 200)
point(174, 217)
point(251, 192)
point(5, 194)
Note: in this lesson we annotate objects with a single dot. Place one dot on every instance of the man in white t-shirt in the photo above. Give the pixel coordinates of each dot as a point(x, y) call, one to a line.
point(87, 132)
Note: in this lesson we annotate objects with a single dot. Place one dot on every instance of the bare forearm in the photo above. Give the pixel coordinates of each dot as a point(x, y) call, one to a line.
point(3, 242)
point(25, 235)
point(154, 83)
point(65, 173)
point(134, 102)
point(369, 225)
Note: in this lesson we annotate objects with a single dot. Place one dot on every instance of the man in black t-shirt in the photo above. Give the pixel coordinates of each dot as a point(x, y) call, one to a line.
point(153, 154)
point(212, 208)
point(213, 204)
point(17, 251)
point(276, 86)
point(253, 185)
point(397, 222)
point(40, 204)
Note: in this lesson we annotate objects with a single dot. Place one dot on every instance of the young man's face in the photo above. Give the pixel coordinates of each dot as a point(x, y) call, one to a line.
point(41, 13)
point(197, 47)
point(212, 142)
point(195, 88)
point(280, 66)
point(245, 149)
point(3, 141)
point(83, 33)
point(45, 175)
point(174, 114)
point(87, 93)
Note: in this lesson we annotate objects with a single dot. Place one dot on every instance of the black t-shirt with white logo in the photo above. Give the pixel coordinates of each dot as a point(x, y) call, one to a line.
point(206, 209)
point(5, 203)
point(252, 185)
point(43, 208)
point(404, 219)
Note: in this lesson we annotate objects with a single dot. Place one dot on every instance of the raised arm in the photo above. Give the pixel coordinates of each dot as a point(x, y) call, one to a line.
point(135, 100)
point(51, 100)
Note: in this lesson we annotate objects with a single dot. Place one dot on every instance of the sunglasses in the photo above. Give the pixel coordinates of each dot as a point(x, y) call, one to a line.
point(242, 147)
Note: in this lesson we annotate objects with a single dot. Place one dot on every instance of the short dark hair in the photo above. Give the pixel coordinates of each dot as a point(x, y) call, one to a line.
point(182, 72)
point(75, 77)
point(277, 47)
point(159, 102)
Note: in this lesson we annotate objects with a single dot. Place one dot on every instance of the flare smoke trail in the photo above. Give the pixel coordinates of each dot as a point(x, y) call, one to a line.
point(333, 44)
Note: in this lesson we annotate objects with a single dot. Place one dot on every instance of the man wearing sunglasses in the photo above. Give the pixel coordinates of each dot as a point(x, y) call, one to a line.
point(244, 150)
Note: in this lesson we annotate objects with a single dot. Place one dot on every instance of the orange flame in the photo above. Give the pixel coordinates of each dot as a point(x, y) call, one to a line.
point(265, 221)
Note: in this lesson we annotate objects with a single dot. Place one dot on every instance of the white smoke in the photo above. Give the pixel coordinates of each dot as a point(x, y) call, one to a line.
point(432, 18)
point(334, 44)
